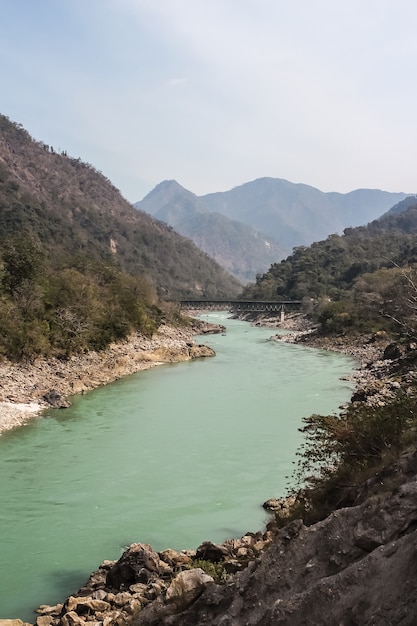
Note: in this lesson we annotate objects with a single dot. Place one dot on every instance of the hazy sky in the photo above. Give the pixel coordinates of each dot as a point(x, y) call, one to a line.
point(215, 93)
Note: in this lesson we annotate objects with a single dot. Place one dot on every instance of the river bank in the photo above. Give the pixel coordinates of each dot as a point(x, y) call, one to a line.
point(26, 389)
point(109, 599)
point(338, 568)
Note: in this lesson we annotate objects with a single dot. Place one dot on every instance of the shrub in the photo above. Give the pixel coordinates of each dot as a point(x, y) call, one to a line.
point(341, 451)
point(215, 570)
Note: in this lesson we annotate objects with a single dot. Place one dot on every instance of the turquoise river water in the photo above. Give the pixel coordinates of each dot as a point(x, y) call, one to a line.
point(171, 456)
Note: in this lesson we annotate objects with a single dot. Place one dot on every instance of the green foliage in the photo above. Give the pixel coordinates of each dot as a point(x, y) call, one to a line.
point(215, 570)
point(331, 267)
point(337, 317)
point(79, 266)
point(46, 311)
point(360, 283)
point(23, 262)
point(341, 451)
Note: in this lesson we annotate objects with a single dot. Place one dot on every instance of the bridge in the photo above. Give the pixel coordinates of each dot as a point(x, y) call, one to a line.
point(241, 306)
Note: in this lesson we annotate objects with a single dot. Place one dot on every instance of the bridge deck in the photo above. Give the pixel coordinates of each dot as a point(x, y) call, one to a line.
point(258, 306)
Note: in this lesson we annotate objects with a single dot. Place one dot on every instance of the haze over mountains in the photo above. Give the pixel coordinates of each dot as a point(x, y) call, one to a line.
point(238, 247)
point(230, 226)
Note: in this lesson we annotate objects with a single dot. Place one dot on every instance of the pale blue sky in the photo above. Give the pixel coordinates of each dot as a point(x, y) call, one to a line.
point(215, 93)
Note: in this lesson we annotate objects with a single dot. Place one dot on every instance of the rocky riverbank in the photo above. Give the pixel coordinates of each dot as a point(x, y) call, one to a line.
point(26, 389)
point(354, 567)
point(374, 378)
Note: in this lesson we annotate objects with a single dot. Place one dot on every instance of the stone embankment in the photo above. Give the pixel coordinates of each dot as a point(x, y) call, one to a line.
point(28, 388)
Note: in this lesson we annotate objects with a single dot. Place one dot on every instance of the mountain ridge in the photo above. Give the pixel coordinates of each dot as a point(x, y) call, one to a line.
point(293, 214)
point(239, 248)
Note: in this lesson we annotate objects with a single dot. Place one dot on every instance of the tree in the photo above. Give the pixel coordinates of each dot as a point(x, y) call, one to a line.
point(23, 262)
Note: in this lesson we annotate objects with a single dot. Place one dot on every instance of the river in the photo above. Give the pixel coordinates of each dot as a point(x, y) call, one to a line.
point(171, 456)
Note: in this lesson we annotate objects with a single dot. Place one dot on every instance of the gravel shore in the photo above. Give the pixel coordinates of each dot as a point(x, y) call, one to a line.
point(23, 386)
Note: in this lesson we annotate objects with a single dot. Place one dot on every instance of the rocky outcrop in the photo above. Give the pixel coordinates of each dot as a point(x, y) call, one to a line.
point(356, 567)
point(167, 582)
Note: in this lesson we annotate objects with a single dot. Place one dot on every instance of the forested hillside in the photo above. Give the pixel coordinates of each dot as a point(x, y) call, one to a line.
point(79, 266)
point(361, 273)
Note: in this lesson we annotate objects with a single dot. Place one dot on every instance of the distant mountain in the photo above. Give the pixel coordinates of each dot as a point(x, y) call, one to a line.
point(242, 250)
point(297, 214)
point(73, 211)
point(229, 225)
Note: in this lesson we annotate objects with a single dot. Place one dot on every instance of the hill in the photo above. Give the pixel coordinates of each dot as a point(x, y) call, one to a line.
point(79, 266)
point(360, 282)
point(331, 266)
point(71, 208)
point(236, 246)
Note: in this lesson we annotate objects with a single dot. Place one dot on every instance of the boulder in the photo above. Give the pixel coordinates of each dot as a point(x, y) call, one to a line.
point(44, 620)
point(213, 552)
point(85, 605)
point(187, 586)
point(72, 619)
point(175, 559)
point(198, 351)
point(46, 609)
point(138, 564)
point(56, 400)
point(392, 351)
point(272, 504)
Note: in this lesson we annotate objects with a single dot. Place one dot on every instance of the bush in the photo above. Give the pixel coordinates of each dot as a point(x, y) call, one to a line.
point(341, 451)
point(215, 570)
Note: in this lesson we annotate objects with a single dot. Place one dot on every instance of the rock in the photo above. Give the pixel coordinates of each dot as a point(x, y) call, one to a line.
point(139, 589)
point(187, 586)
point(13, 622)
point(99, 594)
point(138, 564)
point(272, 504)
point(84, 605)
point(56, 400)
point(392, 351)
point(72, 619)
point(46, 609)
point(44, 620)
point(354, 567)
point(175, 559)
point(133, 606)
point(122, 598)
point(209, 551)
point(198, 351)
point(283, 506)
point(212, 329)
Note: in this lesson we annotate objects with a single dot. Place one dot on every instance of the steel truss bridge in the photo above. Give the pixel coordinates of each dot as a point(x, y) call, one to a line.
point(242, 306)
